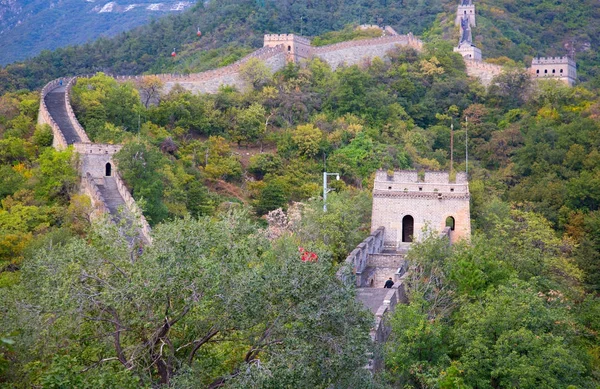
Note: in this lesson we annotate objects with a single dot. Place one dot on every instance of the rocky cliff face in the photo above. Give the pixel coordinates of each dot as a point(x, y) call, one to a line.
point(29, 26)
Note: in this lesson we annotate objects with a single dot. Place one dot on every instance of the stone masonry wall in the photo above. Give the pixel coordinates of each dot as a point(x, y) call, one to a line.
point(210, 81)
point(355, 52)
point(74, 122)
point(430, 201)
point(89, 187)
point(94, 157)
point(58, 142)
point(482, 70)
point(133, 208)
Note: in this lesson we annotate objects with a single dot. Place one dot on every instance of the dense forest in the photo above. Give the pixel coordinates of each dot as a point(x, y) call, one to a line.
point(232, 28)
point(223, 299)
point(229, 303)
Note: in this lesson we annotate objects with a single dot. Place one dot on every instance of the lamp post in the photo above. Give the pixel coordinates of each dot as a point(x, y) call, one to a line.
point(325, 189)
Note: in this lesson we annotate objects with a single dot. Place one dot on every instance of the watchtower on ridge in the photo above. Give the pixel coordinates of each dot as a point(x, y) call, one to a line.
point(560, 68)
point(405, 203)
point(297, 47)
point(466, 8)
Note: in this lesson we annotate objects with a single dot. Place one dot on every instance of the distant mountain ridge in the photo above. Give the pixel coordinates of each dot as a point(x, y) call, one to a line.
point(29, 26)
point(233, 28)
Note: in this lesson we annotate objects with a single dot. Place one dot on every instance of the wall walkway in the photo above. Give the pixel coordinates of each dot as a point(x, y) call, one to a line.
point(108, 193)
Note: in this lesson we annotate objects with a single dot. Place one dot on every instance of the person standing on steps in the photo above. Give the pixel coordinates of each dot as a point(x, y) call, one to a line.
point(389, 283)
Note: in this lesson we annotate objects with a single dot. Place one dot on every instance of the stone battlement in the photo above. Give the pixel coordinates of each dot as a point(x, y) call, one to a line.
point(287, 37)
point(552, 60)
point(408, 40)
point(406, 202)
point(96, 148)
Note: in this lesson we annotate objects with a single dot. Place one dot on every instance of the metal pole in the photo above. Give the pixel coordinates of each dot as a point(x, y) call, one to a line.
point(324, 191)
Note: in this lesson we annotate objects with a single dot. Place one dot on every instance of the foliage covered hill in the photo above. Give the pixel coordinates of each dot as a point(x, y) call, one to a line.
point(539, 28)
point(233, 28)
point(29, 26)
point(516, 307)
point(227, 23)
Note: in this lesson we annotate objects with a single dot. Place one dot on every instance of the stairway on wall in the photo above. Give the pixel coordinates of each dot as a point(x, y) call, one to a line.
point(55, 102)
point(114, 201)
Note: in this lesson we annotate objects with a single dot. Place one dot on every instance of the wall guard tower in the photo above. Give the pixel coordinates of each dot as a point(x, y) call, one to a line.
point(466, 8)
point(404, 204)
point(560, 68)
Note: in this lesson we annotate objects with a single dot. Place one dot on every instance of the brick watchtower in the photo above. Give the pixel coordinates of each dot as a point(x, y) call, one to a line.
point(466, 8)
point(297, 47)
point(405, 203)
point(560, 68)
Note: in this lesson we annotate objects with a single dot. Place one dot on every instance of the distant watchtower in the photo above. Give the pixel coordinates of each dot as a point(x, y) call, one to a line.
point(465, 47)
point(405, 203)
point(560, 68)
point(466, 8)
point(297, 47)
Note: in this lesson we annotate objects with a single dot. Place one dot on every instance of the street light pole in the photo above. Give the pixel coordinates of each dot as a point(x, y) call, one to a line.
point(325, 189)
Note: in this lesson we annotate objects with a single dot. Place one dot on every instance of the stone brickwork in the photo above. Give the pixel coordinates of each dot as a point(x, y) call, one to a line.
point(466, 9)
point(482, 70)
point(359, 51)
point(560, 68)
point(58, 142)
point(429, 201)
point(74, 122)
point(296, 47)
point(90, 188)
point(211, 80)
point(93, 157)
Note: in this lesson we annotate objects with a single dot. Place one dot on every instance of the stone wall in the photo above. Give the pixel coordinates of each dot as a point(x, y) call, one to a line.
point(74, 122)
point(89, 187)
point(358, 51)
point(356, 261)
point(94, 157)
point(134, 209)
point(430, 202)
point(560, 68)
point(210, 81)
point(58, 142)
point(483, 70)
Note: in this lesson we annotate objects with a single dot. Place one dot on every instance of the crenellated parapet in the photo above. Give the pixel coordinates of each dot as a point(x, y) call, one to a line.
point(560, 68)
point(406, 203)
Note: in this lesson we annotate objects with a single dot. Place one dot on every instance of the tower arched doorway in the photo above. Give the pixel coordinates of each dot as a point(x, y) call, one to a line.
point(108, 170)
point(450, 222)
point(408, 229)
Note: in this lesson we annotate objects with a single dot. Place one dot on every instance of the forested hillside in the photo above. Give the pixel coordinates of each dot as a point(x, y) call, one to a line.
point(219, 299)
point(233, 28)
point(194, 162)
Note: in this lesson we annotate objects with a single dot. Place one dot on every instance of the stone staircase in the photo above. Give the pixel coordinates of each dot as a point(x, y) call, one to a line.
point(55, 103)
point(113, 199)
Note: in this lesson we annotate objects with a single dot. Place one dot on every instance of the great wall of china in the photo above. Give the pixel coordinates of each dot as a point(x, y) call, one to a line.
point(99, 177)
point(374, 261)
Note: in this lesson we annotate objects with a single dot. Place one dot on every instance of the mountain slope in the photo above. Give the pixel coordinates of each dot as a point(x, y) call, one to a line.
point(231, 28)
point(30, 26)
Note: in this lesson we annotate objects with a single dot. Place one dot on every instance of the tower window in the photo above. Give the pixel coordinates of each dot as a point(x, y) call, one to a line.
point(289, 48)
point(538, 71)
point(561, 70)
point(545, 70)
point(553, 71)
